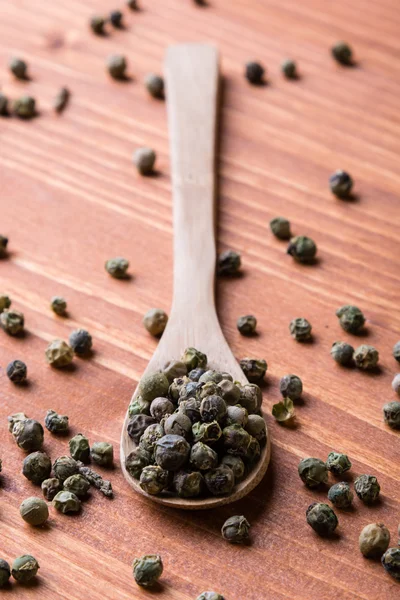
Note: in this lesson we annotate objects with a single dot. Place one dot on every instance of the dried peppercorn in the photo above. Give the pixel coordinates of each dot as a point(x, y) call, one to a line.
point(116, 17)
point(391, 414)
point(366, 357)
point(396, 351)
point(80, 341)
point(283, 411)
point(155, 321)
point(289, 68)
point(302, 248)
point(291, 386)
point(66, 502)
point(77, 484)
point(28, 434)
point(144, 160)
point(102, 453)
point(367, 488)
point(117, 267)
point(247, 324)
point(321, 518)
point(59, 354)
point(342, 53)
point(154, 85)
point(58, 305)
point(300, 329)
point(34, 511)
point(351, 318)
point(254, 72)
point(188, 484)
point(280, 227)
point(374, 540)
point(236, 530)
point(16, 371)
point(342, 353)
point(341, 495)
point(391, 562)
point(338, 463)
point(18, 68)
point(12, 321)
point(147, 570)
point(136, 461)
point(220, 481)
point(341, 184)
point(97, 24)
point(61, 100)
point(254, 368)
point(5, 572)
point(64, 467)
point(153, 480)
point(25, 107)
point(116, 66)
point(5, 301)
point(229, 263)
point(37, 467)
point(24, 568)
point(51, 487)
point(56, 423)
point(3, 246)
point(313, 472)
point(79, 448)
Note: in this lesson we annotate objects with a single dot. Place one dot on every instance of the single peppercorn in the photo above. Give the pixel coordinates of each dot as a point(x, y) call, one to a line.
point(5, 301)
point(147, 570)
point(25, 107)
point(213, 408)
point(191, 408)
point(24, 568)
point(313, 472)
point(351, 318)
point(18, 68)
point(3, 113)
point(77, 484)
point(210, 596)
point(300, 329)
point(153, 386)
point(155, 321)
point(79, 448)
point(396, 351)
point(366, 357)
point(283, 411)
point(178, 424)
point(342, 353)
point(253, 368)
point(235, 440)
point(56, 423)
point(161, 407)
point(280, 227)
point(374, 540)
point(151, 435)
point(188, 484)
point(236, 464)
point(341, 495)
point(236, 530)
point(64, 467)
point(28, 434)
point(289, 68)
point(321, 518)
point(153, 480)
point(172, 452)
point(391, 414)
point(116, 17)
point(391, 562)
point(3, 246)
point(247, 324)
point(342, 53)
point(5, 572)
point(250, 397)
point(80, 341)
point(58, 305)
point(229, 263)
point(396, 384)
point(203, 457)
point(102, 453)
point(302, 248)
point(338, 463)
point(16, 371)
point(193, 359)
point(229, 391)
point(220, 481)
point(341, 184)
point(236, 415)
point(97, 24)
point(59, 354)
point(51, 487)
point(154, 85)
point(173, 369)
point(34, 511)
point(137, 425)
point(16, 418)
point(12, 322)
point(254, 73)
point(117, 267)
point(367, 488)
point(291, 387)
point(116, 66)
point(61, 100)
point(144, 160)
point(36, 467)
point(136, 461)
point(256, 427)
point(66, 502)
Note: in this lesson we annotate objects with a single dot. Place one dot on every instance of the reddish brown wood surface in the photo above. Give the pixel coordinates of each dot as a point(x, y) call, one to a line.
point(70, 199)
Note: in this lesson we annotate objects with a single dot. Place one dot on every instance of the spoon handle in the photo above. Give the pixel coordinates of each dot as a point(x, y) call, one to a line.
point(192, 82)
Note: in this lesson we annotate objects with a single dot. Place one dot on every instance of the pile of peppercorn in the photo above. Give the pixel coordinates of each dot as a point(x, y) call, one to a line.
point(197, 431)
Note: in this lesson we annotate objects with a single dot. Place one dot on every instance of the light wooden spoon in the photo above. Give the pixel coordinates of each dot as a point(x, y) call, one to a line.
point(192, 82)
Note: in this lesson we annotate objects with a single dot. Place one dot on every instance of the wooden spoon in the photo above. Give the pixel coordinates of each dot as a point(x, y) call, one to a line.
point(192, 82)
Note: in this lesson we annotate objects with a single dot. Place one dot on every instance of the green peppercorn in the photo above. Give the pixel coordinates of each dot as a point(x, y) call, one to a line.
point(116, 17)
point(291, 387)
point(236, 415)
point(313, 472)
point(5, 572)
point(220, 481)
point(338, 463)
point(116, 66)
point(391, 414)
point(250, 397)
point(396, 384)
point(391, 562)
point(153, 386)
point(155, 321)
point(210, 596)
point(3, 246)
point(300, 329)
point(350, 318)
point(34, 511)
point(229, 263)
point(256, 427)
point(236, 464)
point(36, 467)
point(211, 376)
point(247, 324)
point(302, 248)
point(367, 488)
point(254, 73)
point(254, 368)
point(117, 267)
point(283, 411)
point(235, 440)
point(178, 424)
point(12, 322)
point(341, 495)
point(174, 369)
point(178, 385)
point(289, 68)
point(374, 540)
point(18, 68)
point(172, 452)
point(97, 25)
point(161, 407)
point(396, 351)
point(51, 487)
point(28, 434)
point(66, 502)
point(56, 423)
point(77, 484)
point(58, 305)
point(79, 448)
point(132, 4)
point(253, 451)
point(203, 457)
point(102, 453)
point(64, 467)
point(59, 354)
point(188, 484)
point(206, 432)
point(138, 406)
point(136, 461)
point(15, 418)
point(80, 341)
point(24, 568)
point(190, 408)
point(147, 570)
point(200, 390)
point(366, 357)
point(137, 425)
point(341, 184)
point(61, 100)
point(321, 518)
point(280, 227)
point(154, 85)
point(342, 53)
point(229, 391)
point(5, 301)
point(342, 353)
point(3, 113)
point(236, 530)
point(213, 408)
point(151, 435)
point(25, 107)
point(144, 160)
point(194, 359)
point(16, 371)
point(153, 480)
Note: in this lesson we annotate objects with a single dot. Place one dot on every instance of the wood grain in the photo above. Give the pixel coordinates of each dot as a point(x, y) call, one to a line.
point(70, 199)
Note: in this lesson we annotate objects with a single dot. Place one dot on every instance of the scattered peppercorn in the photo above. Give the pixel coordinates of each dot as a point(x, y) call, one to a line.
point(291, 387)
point(117, 267)
point(342, 353)
point(254, 73)
point(350, 318)
point(51, 487)
point(144, 160)
point(3, 246)
point(5, 301)
point(66, 502)
point(254, 368)
point(155, 321)
point(14, 419)
point(280, 227)
point(154, 85)
point(61, 100)
point(300, 329)
point(58, 305)
point(229, 263)
point(80, 341)
point(34, 511)
point(77, 484)
point(391, 414)
point(374, 540)
point(28, 434)
point(3, 113)
point(321, 518)
point(210, 596)
point(16, 371)
point(302, 248)
point(367, 488)
point(236, 530)
point(247, 324)
point(56, 423)
point(5, 572)
point(116, 17)
point(36, 467)
point(103, 485)
point(391, 562)
point(338, 463)
point(79, 448)
point(12, 321)
point(59, 354)
point(132, 4)
point(18, 68)
point(396, 350)
point(24, 568)
point(64, 467)
point(97, 25)
point(102, 453)
point(341, 495)
point(25, 107)
point(366, 357)
point(117, 65)
point(342, 53)
point(341, 184)
point(396, 384)
point(313, 472)
point(147, 570)
point(289, 68)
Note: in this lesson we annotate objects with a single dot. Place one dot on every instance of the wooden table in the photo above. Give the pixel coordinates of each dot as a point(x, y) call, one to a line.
point(70, 199)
